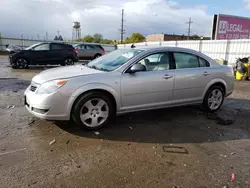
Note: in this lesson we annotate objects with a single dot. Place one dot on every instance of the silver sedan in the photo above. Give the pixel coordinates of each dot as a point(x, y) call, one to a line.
point(129, 80)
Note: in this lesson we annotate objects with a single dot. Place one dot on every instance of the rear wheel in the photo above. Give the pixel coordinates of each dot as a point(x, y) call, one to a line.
point(93, 110)
point(68, 61)
point(213, 99)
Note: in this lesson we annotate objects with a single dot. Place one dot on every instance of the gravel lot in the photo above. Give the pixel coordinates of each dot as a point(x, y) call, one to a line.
point(180, 147)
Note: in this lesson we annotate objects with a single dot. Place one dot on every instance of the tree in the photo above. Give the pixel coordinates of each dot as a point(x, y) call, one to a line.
point(106, 41)
point(60, 38)
point(195, 37)
point(56, 37)
point(97, 38)
point(135, 37)
point(88, 38)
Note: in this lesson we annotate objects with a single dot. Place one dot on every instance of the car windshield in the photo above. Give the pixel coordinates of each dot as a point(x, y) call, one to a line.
point(113, 60)
point(32, 46)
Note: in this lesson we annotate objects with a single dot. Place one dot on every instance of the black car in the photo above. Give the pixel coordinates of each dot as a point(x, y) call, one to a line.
point(43, 54)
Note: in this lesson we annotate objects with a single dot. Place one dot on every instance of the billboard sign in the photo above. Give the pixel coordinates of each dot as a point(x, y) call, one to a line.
point(231, 27)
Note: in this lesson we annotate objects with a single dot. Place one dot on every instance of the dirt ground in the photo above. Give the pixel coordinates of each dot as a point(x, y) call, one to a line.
point(175, 148)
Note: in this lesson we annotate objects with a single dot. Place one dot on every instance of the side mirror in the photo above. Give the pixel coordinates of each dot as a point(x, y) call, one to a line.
point(137, 68)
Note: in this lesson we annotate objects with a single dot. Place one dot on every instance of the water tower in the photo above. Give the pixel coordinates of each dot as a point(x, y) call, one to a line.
point(76, 33)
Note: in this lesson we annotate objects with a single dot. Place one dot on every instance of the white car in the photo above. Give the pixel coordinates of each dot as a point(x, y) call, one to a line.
point(128, 80)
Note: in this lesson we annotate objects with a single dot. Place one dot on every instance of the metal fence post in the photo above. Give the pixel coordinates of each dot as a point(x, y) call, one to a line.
point(227, 50)
point(200, 46)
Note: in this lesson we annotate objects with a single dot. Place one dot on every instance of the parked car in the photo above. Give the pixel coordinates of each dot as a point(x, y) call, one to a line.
point(88, 51)
point(128, 80)
point(13, 48)
point(44, 53)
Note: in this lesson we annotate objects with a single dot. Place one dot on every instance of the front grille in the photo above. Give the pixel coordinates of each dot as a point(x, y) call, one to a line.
point(33, 88)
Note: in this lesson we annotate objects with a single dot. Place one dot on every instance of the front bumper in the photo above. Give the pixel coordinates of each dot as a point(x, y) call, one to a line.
point(11, 61)
point(47, 106)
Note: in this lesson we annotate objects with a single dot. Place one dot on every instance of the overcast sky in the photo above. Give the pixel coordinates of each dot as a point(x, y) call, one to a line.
point(34, 17)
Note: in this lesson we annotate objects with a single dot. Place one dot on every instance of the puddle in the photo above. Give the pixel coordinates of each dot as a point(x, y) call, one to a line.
point(13, 84)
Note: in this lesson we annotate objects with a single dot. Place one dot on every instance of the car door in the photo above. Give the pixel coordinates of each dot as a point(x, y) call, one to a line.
point(149, 89)
point(57, 52)
point(90, 51)
point(191, 77)
point(40, 53)
point(81, 51)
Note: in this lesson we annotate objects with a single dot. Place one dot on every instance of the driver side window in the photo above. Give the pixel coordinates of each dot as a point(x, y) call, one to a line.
point(41, 47)
point(156, 62)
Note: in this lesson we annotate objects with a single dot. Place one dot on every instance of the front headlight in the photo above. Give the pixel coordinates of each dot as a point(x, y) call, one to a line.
point(51, 86)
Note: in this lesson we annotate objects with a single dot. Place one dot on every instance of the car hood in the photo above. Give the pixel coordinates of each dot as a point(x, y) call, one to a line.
point(64, 72)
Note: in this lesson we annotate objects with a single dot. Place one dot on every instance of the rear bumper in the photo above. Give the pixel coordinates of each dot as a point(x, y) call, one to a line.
point(76, 59)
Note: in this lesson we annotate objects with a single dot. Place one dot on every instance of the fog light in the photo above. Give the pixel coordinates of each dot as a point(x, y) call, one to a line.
point(40, 111)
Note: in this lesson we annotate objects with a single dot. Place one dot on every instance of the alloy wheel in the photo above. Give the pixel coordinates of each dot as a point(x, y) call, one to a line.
point(94, 112)
point(21, 63)
point(215, 99)
point(69, 62)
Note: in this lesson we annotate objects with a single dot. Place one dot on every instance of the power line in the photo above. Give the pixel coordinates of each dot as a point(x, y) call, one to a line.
point(189, 27)
point(122, 26)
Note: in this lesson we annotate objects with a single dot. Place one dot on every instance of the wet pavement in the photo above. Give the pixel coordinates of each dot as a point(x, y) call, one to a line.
point(180, 147)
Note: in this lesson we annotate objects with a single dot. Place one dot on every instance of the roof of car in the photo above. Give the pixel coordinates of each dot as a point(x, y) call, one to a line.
point(176, 49)
point(54, 43)
point(166, 48)
point(87, 43)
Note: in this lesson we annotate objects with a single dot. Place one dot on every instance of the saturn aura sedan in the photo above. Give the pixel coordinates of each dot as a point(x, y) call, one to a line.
point(128, 80)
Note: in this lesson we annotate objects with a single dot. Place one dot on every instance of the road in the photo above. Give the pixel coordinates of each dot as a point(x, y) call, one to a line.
point(180, 147)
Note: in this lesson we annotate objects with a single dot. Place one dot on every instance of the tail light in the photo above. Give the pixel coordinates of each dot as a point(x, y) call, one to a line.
point(103, 51)
point(76, 51)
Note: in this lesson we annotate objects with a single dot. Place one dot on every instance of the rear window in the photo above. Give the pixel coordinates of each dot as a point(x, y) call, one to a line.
point(89, 47)
point(60, 46)
point(203, 62)
point(99, 46)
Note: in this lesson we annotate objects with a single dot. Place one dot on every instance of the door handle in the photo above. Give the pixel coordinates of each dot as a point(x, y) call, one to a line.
point(206, 74)
point(167, 76)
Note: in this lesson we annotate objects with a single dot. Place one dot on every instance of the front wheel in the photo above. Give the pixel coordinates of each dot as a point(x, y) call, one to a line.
point(97, 56)
point(21, 63)
point(213, 99)
point(93, 110)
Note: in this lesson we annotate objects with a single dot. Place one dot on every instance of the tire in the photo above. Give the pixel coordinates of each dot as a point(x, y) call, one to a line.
point(97, 55)
point(21, 63)
point(213, 99)
point(95, 108)
point(68, 61)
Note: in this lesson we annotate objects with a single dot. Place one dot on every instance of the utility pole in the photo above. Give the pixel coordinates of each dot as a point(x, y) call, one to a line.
point(46, 35)
point(122, 26)
point(189, 27)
